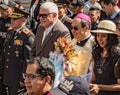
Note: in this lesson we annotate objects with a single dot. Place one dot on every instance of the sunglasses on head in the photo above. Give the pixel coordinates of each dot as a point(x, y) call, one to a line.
point(44, 15)
point(74, 27)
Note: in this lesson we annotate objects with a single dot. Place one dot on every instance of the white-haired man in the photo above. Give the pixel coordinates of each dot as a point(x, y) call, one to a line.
point(49, 30)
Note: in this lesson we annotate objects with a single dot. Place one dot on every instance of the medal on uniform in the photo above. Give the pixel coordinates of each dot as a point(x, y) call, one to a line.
point(18, 42)
point(17, 53)
point(15, 37)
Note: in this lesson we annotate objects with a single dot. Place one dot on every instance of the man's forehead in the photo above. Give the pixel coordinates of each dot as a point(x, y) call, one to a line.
point(75, 23)
point(32, 68)
point(43, 10)
point(76, 20)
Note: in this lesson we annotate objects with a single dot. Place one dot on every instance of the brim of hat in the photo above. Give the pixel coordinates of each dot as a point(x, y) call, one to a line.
point(4, 6)
point(57, 91)
point(102, 31)
point(16, 16)
point(60, 6)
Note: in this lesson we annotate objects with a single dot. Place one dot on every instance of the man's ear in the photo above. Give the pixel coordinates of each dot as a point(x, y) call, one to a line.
point(48, 79)
point(86, 27)
point(110, 5)
point(54, 15)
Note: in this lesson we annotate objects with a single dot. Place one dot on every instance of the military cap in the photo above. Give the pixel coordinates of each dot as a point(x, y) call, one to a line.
point(18, 1)
point(60, 5)
point(4, 6)
point(11, 3)
point(18, 13)
point(79, 3)
point(61, 1)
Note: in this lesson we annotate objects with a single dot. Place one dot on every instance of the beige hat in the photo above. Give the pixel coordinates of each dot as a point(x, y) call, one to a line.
point(106, 26)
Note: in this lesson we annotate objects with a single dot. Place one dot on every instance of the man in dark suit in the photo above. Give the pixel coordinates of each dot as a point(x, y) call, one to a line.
point(111, 9)
point(65, 19)
point(49, 30)
point(16, 51)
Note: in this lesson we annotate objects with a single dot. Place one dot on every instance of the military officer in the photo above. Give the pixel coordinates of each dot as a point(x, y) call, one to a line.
point(16, 51)
point(4, 25)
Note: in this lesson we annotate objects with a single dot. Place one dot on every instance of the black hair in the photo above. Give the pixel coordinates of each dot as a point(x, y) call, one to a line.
point(107, 2)
point(95, 9)
point(112, 43)
point(117, 22)
point(46, 67)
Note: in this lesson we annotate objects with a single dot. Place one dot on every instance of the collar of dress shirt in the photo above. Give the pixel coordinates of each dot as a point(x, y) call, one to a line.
point(18, 30)
point(114, 15)
point(50, 28)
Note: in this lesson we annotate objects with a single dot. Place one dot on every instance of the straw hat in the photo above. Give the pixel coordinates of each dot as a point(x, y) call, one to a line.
point(106, 26)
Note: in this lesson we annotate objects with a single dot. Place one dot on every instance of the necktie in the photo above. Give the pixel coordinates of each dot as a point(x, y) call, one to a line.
point(44, 35)
point(13, 34)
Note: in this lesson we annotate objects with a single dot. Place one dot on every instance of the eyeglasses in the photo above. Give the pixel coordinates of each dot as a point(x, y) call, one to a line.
point(30, 76)
point(75, 27)
point(44, 15)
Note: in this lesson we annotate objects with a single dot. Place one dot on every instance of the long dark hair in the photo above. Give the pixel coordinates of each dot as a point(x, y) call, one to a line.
point(112, 43)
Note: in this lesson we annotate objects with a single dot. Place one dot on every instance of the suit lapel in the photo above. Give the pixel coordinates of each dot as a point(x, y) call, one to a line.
point(40, 32)
point(48, 37)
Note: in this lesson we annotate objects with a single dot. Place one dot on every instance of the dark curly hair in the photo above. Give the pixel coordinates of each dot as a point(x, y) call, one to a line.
point(112, 43)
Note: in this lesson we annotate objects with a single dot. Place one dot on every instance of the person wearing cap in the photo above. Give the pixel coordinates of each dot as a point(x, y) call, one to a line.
point(5, 23)
point(106, 57)
point(17, 46)
point(18, 4)
point(7, 10)
point(49, 30)
point(111, 9)
point(39, 76)
point(71, 85)
point(83, 41)
point(77, 7)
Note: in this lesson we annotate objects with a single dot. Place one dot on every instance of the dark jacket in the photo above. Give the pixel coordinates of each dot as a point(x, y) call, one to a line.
point(16, 54)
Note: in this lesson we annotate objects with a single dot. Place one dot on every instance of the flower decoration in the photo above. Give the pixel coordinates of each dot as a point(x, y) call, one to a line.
point(66, 47)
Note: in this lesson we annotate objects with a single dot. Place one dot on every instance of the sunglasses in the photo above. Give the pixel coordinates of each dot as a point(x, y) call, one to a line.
point(44, 15)
point(75, 27)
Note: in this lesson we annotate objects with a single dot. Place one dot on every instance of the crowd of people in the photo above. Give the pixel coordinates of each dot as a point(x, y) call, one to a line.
point(60, 47)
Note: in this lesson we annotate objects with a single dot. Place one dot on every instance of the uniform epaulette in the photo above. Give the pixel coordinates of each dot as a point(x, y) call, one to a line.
point(10, 28)
point(26, 31)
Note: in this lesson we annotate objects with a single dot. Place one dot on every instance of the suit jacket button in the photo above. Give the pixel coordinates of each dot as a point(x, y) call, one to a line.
point(9, 46)
point(7, 60)
point(8, 53)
